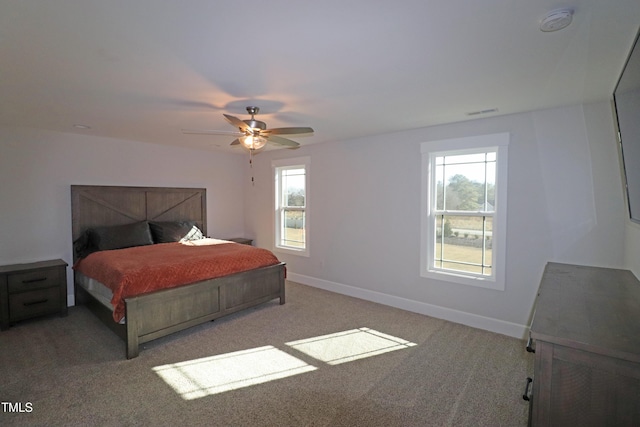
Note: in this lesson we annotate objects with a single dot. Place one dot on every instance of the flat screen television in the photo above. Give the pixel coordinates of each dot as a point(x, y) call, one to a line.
point(626, 100)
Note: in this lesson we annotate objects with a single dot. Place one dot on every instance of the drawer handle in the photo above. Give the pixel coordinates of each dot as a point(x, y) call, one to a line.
point(530, 348)
point(525, 396)
point(40, 279)
point(41, 301)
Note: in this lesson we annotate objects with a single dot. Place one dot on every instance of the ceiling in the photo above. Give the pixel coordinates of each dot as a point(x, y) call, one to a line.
point(142, 70)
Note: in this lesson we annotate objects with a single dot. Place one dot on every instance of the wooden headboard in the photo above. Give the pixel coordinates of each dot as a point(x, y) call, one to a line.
point(96, 206)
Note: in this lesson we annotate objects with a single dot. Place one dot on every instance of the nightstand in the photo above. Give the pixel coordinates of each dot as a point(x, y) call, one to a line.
point(242, 240)
point(33, 289)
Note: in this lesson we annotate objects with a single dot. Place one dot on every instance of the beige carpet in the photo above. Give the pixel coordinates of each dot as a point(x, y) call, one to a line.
point(322, 359)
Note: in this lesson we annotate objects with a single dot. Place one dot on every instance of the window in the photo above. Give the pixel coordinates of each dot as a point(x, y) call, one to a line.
point(464, 210)
point(291, 205)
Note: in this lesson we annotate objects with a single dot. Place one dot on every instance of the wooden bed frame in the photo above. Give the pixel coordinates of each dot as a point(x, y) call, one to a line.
point(160, 313)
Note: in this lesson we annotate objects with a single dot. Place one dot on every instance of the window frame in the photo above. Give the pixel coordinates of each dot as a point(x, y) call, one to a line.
point(278, 167)
point(497, 143)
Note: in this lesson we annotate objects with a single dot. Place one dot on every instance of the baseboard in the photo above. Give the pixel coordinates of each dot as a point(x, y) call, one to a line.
point(456, 316)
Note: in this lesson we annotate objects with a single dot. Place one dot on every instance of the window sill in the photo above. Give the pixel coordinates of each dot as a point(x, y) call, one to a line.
point(292, 251)
point(479, 282)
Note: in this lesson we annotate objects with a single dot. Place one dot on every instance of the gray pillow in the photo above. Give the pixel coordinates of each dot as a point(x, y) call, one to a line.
point(120, 236)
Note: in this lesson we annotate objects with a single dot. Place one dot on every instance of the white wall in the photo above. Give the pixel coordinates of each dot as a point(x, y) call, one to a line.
point(565, 205)
point(37, 169)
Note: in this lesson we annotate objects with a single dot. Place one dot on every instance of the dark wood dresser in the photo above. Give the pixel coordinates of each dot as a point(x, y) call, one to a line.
point(33, 289)
point(586, 331)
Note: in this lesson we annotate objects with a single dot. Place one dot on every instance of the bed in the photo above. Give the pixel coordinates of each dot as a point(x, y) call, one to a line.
point(157, 313)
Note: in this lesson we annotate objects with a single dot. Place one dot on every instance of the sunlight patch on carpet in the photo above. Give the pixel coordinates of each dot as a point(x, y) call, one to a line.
point(349, 345)
point(211, 375)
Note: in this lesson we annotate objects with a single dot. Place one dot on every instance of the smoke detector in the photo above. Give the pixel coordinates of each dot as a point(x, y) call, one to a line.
point(556, 20)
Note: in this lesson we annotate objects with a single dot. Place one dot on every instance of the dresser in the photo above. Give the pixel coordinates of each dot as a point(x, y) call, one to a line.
point(586, 335)
point(32, 289)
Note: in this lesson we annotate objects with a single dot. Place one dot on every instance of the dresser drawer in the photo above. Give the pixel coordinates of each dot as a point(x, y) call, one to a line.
point(24, 305)
point(31, 280)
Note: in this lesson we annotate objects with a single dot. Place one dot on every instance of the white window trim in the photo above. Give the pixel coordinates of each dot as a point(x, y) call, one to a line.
point(458, 146)
point(275, 164)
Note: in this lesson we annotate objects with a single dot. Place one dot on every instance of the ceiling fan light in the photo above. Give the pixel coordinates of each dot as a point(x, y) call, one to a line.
point(253, 143)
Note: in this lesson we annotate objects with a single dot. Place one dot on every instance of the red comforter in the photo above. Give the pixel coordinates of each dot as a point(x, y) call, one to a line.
point(133, 271)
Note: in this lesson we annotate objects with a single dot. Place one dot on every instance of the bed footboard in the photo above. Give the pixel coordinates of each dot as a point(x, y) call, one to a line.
point(161, 313)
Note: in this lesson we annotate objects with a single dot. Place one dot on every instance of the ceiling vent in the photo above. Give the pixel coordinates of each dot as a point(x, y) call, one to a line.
point(479, 112)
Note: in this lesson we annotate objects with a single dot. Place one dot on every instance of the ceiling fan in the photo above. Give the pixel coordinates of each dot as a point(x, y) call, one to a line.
point(253, 134)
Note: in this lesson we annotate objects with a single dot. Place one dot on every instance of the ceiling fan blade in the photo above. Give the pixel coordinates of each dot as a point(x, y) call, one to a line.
point(211, 132)
point(235, 142)
point(238, 123)
point(287, 131)
point(283, 141)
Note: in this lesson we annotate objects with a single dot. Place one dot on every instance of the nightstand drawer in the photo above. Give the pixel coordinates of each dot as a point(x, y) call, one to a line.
point(31, 280)
point(24, 305)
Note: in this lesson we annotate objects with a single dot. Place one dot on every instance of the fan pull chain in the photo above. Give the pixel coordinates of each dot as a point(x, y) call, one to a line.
point(251, 165)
